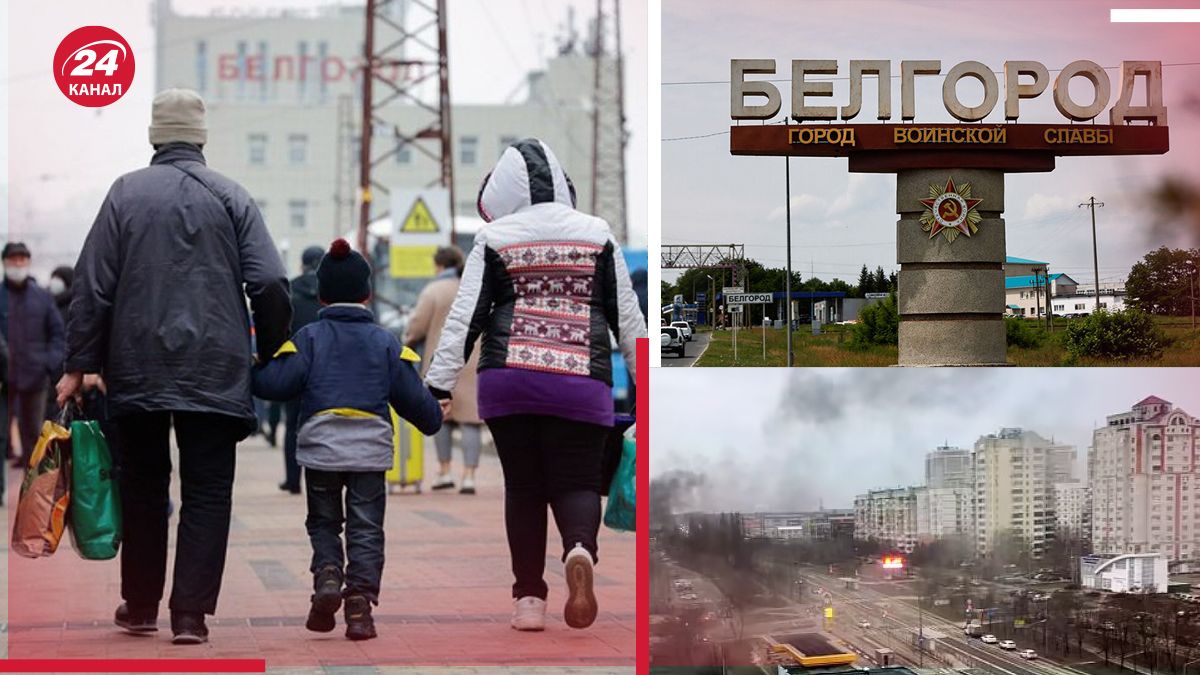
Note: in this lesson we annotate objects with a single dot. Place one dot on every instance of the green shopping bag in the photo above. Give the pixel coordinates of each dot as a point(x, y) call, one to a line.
point(621, 514)
point(95, 509)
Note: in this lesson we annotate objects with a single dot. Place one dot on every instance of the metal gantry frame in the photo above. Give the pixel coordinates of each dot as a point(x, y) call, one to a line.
point(409, 35)
point(684, 256)
point(609, 133)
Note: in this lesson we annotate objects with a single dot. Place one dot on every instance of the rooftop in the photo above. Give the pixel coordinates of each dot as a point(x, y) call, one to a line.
point(1028, 281)
point(1151, 400)
point(1013, 260)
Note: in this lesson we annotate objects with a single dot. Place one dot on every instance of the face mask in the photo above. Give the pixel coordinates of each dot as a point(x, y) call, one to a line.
point(56, 286)
point(17, 275)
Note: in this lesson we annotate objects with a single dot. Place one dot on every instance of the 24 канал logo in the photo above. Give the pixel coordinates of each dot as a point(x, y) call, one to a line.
point(93, 66)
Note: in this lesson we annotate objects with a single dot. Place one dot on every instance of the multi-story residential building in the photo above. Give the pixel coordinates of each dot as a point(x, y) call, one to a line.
point(807, 525)
point(948, 467)
point(1073, 510)
point(1145, 481)
point(1015, 473)
point(284, 110)
point(888, 516)
point(944, 512)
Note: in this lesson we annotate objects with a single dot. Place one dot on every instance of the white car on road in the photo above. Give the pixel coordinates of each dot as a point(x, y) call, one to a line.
point(672, 341)
point(989, 639)
point(1027, 654)
point(864, 624)
point(1008, 644)
point(685, 328)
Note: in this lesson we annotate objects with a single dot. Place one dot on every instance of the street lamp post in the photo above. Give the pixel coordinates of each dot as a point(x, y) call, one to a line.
point(712, 299)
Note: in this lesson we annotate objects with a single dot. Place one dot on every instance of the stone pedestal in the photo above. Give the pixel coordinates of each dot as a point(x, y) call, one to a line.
point(951, 293)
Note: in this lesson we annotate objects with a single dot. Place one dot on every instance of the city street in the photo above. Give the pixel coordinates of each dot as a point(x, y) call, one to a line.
point(894, 618)
point(695, 349)
point(445, 600)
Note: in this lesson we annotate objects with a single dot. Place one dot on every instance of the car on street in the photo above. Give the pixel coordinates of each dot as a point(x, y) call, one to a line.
point(864, 624)
point(990, 639)
point(672, 341)
point(1027, 654)
point(1008, 644)
point(685, 328)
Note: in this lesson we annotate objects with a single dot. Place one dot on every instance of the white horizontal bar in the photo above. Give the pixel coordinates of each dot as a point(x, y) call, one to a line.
point(1154, 16)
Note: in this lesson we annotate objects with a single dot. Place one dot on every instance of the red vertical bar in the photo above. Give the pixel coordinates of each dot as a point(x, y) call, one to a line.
point(642, 634)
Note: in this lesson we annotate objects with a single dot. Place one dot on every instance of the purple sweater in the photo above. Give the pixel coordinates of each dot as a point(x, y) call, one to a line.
point(516, 391)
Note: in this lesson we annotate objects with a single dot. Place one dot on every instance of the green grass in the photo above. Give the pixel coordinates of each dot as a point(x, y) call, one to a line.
point(830, 349)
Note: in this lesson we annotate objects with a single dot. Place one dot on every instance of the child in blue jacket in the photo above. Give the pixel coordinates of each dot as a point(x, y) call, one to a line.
point(346, 370)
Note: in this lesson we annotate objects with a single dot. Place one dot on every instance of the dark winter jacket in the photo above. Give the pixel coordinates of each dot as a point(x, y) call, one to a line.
point(305, 305)
point(347, 371)
point(159, 296)
point(34, 331)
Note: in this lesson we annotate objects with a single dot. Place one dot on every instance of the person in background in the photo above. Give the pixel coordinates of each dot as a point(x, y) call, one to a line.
point(159, 307)
point(3, 410)
point(423, 333)
point(305, 309)
point(345, 371)
point(59, 286)
point(34, 331)
point(547, 288)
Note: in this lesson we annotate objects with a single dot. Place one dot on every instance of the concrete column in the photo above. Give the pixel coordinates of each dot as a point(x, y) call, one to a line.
point(951, 294)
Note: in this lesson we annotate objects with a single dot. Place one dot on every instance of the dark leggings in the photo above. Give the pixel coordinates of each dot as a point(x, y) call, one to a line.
point(548, 461)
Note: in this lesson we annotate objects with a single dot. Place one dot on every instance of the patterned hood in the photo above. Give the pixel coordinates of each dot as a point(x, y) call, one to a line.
point(528, 173)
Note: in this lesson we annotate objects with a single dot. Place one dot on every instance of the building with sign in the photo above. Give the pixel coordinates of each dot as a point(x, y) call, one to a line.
point(1015, 473)
point(1126, 573)
point(284, 108)
point(1026, 295)
point(1145, 480)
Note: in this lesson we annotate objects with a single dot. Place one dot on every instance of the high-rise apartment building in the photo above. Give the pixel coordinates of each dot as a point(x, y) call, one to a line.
point(888, 516)
point(948, 467)
point(1015, 474)
point(1146, 482)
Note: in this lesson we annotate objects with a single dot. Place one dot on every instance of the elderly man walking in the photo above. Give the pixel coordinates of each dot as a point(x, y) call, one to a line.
point(159, 309)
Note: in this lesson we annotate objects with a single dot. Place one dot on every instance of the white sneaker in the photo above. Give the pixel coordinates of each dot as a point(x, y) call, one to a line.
point(443, 482)
point(580, 610)
point(529, 613)
point(468, 486)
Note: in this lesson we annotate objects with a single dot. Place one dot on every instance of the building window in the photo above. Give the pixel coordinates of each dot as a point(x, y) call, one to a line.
point(1079, 305)
point(297, 149)
point(302, 62)
point(322, 56)
point(298, 213)
point(468, 150)
point(506, 141)
point(403, 151)
point(258, 149)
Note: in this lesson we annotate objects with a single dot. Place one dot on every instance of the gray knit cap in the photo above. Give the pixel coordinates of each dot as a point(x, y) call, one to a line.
point(178, 116)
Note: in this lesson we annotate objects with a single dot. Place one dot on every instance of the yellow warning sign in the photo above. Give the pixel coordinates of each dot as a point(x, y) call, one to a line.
point(412, 262)
point(419, 219)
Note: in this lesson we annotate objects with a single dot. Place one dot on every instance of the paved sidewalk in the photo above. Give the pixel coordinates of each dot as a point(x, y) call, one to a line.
point(445, 600)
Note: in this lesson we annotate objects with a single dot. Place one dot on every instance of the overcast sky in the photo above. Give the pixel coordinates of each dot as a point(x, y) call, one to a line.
point(842, 220)
point(774, 439)
point(64, 157)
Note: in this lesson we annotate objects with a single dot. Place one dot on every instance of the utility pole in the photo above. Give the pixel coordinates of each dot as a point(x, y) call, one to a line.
point(405, 54)
point(788, 282)
point(1091, 203)
point(1192, 283)
point(1037, 294)
point(1049, 307)
point(365, 131)
point(608, 121)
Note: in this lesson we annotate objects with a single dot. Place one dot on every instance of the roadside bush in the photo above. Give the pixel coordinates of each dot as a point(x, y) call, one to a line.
point(878, 324)
point(1022, 333)
point(1127, 334)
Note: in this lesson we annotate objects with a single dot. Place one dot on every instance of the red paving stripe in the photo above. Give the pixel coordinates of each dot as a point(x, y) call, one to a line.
point(133, 666)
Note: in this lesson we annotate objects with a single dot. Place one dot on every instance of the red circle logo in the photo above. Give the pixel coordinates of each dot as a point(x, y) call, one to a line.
point(93, 66)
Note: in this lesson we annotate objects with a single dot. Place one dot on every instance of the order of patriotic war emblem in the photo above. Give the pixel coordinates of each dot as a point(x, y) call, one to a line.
point(950, 210)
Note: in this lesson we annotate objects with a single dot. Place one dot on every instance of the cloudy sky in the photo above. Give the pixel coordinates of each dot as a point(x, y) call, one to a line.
point(64, 157)
point(842, 220)
point(774, 439)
